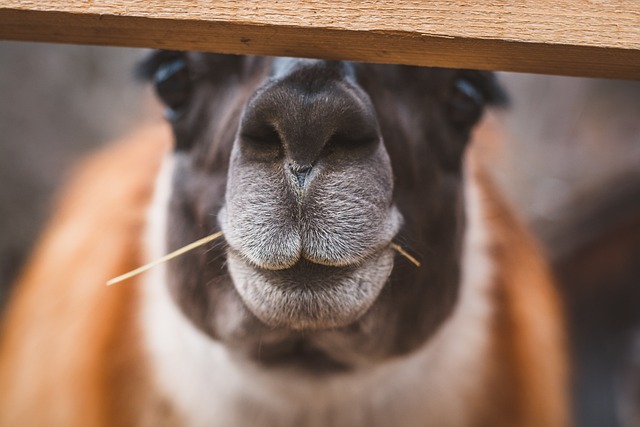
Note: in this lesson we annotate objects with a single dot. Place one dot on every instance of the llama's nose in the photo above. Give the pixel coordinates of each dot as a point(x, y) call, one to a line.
point(300, 172)
point(307, 108)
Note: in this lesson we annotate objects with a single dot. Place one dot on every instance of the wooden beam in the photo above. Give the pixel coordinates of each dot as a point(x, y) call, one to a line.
point(598, 38)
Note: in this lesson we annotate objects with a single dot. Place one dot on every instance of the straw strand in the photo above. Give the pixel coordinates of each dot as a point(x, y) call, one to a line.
point(205, 240)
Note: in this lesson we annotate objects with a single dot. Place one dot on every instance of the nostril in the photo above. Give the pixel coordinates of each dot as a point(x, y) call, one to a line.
point(352, 141)
point(261, 136)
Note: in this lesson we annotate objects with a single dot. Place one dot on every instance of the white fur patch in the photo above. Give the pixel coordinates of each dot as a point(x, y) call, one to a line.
point(192, 371)
point(433, 386)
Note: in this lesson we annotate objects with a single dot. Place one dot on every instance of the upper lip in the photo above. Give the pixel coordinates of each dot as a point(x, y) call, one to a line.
point(332, 243)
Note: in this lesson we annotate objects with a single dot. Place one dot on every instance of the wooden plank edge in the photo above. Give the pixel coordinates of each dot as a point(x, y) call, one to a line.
point(381, 47)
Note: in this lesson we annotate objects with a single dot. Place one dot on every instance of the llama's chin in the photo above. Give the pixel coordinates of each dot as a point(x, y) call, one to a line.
point(310, 296)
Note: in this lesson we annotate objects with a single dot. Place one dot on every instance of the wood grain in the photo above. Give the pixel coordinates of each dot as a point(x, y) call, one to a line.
point(572, 37)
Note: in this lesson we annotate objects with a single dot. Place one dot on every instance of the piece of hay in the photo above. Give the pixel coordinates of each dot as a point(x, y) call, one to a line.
point(205, 240)
point(405, 254)
point(174, 254)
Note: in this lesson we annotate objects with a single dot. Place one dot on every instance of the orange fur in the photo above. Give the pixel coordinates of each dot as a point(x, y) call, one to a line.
point(529, 347)
point(529, 377)
point(68, 355)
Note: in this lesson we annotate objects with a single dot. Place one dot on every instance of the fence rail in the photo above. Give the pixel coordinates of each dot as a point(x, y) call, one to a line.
point(599, 38)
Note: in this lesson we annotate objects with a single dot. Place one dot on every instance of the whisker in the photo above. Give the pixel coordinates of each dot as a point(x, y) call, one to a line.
point(168, 257)
point(221, 244)
point(214, 259)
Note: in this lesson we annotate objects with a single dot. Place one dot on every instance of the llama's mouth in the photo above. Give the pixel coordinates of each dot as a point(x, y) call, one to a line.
point(310, 296)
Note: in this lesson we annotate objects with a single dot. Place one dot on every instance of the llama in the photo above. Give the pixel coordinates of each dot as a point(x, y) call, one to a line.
point(303, 314)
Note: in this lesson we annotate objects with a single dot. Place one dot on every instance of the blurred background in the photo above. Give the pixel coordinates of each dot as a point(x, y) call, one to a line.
point(569, 164)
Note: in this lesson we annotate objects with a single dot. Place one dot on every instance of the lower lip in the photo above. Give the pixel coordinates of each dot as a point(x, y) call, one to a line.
point(309, 295)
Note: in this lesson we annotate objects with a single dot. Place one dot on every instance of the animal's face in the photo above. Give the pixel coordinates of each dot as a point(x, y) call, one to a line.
point(311, 169)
